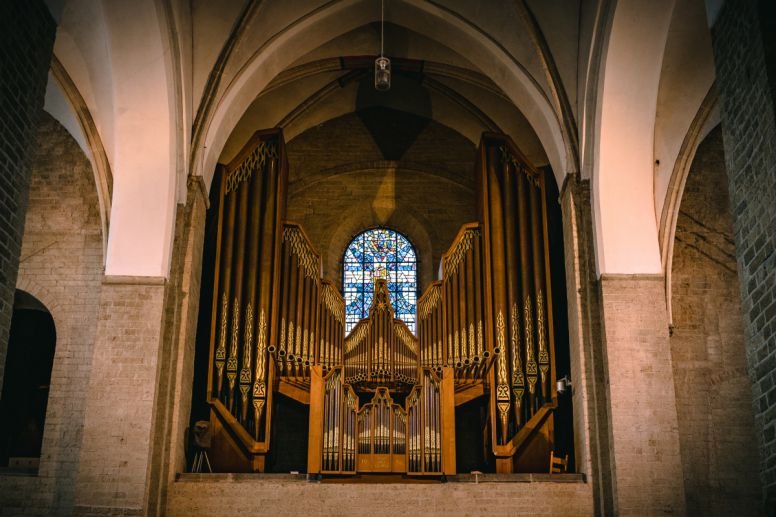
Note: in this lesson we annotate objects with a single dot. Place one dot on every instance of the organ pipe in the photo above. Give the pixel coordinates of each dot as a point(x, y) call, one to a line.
point(487, 322)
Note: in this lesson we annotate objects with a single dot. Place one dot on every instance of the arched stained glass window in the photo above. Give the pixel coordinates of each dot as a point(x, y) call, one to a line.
point(379, 253)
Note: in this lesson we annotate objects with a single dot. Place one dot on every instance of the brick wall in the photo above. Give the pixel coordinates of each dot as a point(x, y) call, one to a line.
point(339, 185)
point(26, 40)
point(112, 476)
point(61, 265)
point(176, 376)
point(749, 134)
point(589, 394)
point(713, 392)
point(225, 494)
point(645, 459)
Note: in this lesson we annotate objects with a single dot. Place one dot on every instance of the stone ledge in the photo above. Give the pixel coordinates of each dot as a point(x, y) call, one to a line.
point(133, 280)
point(290, 494)
point(189, 477)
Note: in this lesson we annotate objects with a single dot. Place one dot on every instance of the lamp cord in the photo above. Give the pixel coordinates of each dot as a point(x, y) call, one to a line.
point(382, 18)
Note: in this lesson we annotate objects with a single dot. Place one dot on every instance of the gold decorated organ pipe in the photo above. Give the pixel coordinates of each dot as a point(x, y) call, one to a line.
point(437, 423)
point(435, 410)
point(435, 322)
point(440, 331)
point(447, 348)
point(377, 364)
point(316, 313)
point(255, 185)
point(427, 425)
point(455, 301)
point(498, 289)
point(306, 324)
point(238, 270)
point(526, 281)
point(389, 346)
point(540, 282)
point(513, 249)
point(326, 317)
point(304, 283)
point(272, 213)
point(460, 275)
point(471, 324)
point(331, 343)
point(215, 366)
point(285, 305)
point(386, 345)
point(339, 335)
point(370, 351)
point(332, 421)
point(425, 336)
point(478, 296)
point(299, 317)
point(230, 199)
point(291, 321)
point(337, 426)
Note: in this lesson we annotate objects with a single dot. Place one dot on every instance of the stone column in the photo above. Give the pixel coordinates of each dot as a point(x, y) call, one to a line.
point(114, 464)
point(645, 458)
point(625, 420)
point(26, 41)
point(745, 55)
point(591, 421)
point(173, 408)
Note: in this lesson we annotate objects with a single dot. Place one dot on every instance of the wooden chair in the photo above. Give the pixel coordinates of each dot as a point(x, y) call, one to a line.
point(558, 465)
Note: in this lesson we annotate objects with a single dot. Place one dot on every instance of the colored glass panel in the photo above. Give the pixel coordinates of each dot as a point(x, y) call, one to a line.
point(379, 253)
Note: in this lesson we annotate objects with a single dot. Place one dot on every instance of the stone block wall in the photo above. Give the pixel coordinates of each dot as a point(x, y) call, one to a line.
point(61, 265)
point(176, 364)
point(26, 41)
point(645, 459)
point(235, 494)
point(589, 391)
point(749, 134)
point(713, 392)
point(340, 184)
point(113, 471)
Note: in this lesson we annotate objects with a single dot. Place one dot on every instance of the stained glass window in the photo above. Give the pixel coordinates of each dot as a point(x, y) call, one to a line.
point(379, 253)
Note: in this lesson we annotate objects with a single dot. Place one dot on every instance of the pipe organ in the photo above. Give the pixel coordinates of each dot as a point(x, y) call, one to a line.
point(383, 399)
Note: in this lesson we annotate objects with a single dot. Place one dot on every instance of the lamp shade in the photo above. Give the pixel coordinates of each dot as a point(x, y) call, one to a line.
point(382, 73)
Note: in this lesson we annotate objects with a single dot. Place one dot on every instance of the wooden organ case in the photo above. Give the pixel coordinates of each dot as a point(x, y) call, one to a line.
point(381, 399)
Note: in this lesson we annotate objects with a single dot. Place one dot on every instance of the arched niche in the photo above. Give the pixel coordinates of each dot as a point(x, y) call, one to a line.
point(26, 383)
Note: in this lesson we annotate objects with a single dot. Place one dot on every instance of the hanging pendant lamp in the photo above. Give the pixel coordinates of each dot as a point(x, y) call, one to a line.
point(382, 63)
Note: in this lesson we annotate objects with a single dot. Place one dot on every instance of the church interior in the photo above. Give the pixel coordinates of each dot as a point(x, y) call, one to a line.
point(379, 256)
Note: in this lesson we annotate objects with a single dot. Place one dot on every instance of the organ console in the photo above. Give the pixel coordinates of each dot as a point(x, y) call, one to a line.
point(383, 399)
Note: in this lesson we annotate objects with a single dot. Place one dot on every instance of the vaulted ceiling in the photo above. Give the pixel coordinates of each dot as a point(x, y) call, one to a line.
point(157, 91)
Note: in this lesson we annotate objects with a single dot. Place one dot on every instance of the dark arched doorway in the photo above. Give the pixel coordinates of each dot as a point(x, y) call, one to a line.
point(26, 383)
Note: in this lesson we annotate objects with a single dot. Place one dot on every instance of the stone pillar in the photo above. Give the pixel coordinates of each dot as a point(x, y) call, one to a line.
point(142, 375)
point(26, 41)
point(645, 457)
point(173, 408)
point(591, 423)
point(114, 464)
point(746, 73)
